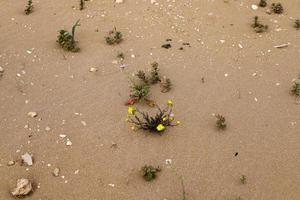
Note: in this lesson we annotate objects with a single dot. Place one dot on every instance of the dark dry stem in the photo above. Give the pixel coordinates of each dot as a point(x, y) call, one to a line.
point(258, 27)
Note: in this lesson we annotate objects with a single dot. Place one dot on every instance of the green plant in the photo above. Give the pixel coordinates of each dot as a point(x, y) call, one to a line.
point(296, 88)
point(277, 8)
point(29, 7)
point(155, 124)
point(114, 37)
point(258, 27)
point(263, 3)
point(220, 123)
point(154, 74)
point(297, 24)
point(165, 84)
point(139, 91)
point(67, 40)
point(243, 179)
point(149, 172)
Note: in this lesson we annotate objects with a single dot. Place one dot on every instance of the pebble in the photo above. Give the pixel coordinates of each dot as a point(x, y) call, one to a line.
point(10, 163)
point(93, 69)
point(24, 187)
point(1, 70)
point(32, 114)
point(254, 7)
point(119, 1)
point(56, 172)
point(27, 158)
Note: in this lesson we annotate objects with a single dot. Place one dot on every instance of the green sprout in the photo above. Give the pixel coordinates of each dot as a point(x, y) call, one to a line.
point(297, 24)
point(149, 172)
point(263, 3)
point(258, 27)
point(67, 40)
point(243, 179)
point(29, 7)
point(154, 124)
point(220, 123)
point(114, 37)
point(277, 8)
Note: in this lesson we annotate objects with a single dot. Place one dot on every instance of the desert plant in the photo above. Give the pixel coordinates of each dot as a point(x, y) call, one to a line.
point(29, 7)
point(165, 84)
point(139, 91)
point(258, 27)
point(67, 40)
point(81, 4)
point(154, 124)
point(263, 3)
point(277, 8)
point(296, 88)
point(243, 179)
point(142, 76)
point(220, 123)
point(114, 37)
point(121, 55)
point(154, 74)
point(149, 172)
point(297, 24)
point(166, 46)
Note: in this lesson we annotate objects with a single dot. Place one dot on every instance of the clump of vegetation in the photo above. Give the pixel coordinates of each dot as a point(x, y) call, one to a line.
point(258, 27)
point(154, 74)
point(296, 88)
point(121, 55)
point(139, 91)
point(166, 46)
point(263, 3)
point(67, 40)
point(149, 172)
point(155, 124)
point(277, 8)
point(297, 24)
point(29, 7)
point(220, 123)
point(243, 179)
point(114, 37)
point(166, 84)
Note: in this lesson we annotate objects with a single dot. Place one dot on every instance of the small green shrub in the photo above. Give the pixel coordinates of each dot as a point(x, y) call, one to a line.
point(139, 91)
point(243, 179)
point(277, 8)
point(296, 88)
point(149, 172)
point(114, 37)
point(67, 40)
point(29, 7)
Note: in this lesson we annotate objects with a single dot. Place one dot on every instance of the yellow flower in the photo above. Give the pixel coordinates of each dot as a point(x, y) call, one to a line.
point(131, 110)
point(170, 103)
point(164, 119)
point(160, 127)
point(178, 122)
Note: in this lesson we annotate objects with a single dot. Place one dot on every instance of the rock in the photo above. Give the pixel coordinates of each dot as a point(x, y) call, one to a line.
point(68, 143)
point(119, 1)
point(10, 163)
point(24, 187)
point(56, 172)
point(1, 70)
point(93, 69)
point(32, 114)
point(27, 158)
point(254, 7)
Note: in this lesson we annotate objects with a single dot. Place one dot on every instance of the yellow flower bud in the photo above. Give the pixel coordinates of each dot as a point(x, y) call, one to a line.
point(170, 103)
point(131, 110)
point(160, 127)
point(178, 122)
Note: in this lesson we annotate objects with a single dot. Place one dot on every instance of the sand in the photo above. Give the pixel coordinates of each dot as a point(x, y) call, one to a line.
point(246, 79)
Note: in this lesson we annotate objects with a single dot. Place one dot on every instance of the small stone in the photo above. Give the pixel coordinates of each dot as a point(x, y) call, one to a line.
point(10, 163)
point(56, 172)
point(254, 7)
point(27, 158)
point(32, 114)
point(69, 143)
point(119, 1)
point(24, 187)
point(1, 70)
point(62, 135)
point(153, 1)
point(47, 128)
point(93, 69)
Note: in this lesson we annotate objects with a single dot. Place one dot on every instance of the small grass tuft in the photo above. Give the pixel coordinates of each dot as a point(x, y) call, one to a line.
point(258, 27)
point(67, 40)
point(114, 37)
point(149, 172)
point(277, 8)
point(297, 24)
point(243, 179)
point(29, 7)
point(220, 123)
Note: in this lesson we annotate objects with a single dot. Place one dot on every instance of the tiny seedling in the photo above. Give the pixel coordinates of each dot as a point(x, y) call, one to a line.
point(67, 40)
point(155, 124)
point(29, 7)
point(149, 172)
point(277, 8)
point(243, 179)
point(165, 84)
point(263, 3)
point(297, 24)
point(296, 88)
point(220, 123)
point(258, 27)
point(114, 37)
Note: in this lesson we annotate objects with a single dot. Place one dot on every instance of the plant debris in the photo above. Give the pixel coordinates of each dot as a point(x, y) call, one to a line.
point(67, 40)
point(258, 27)
point(29, 7)
point(155, 124)
point(149, 172)
point(114, 37)
point(243, 179)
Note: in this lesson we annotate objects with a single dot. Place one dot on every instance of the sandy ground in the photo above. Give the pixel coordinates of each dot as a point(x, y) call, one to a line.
point(246, 79)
